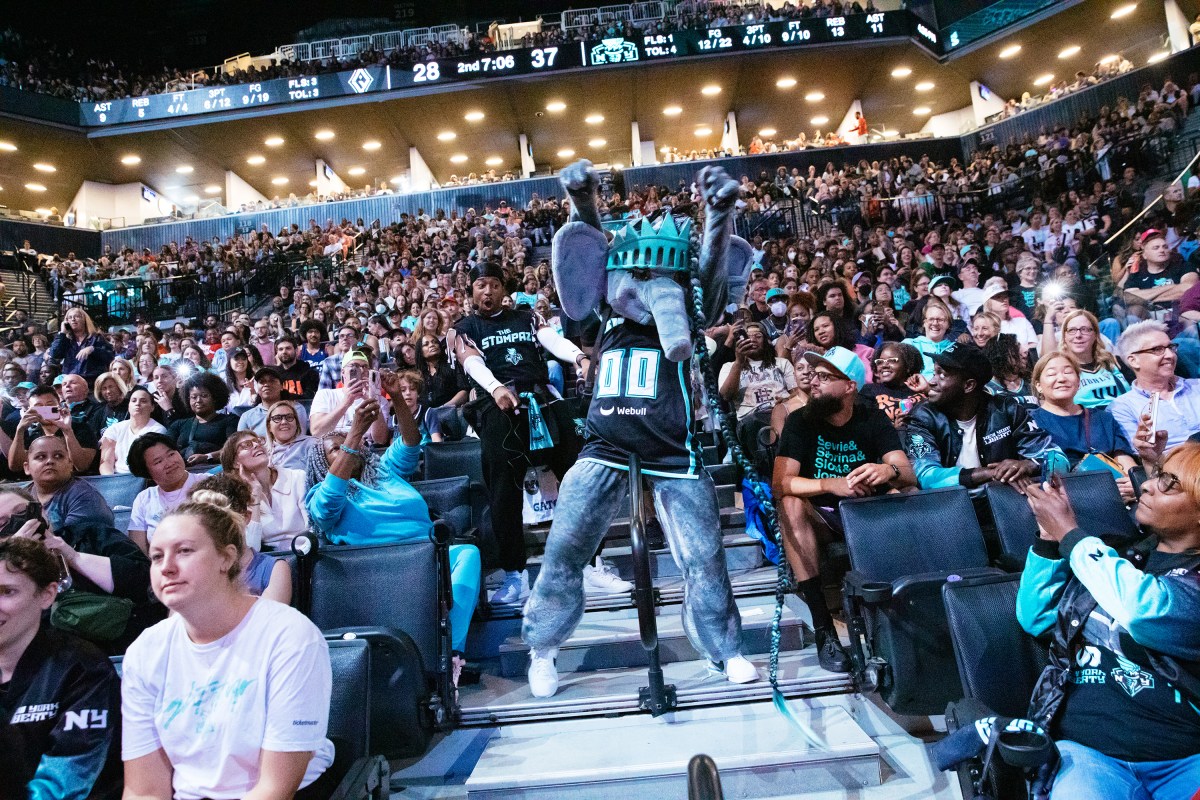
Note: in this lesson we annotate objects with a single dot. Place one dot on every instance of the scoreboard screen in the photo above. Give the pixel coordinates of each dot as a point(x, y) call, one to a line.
point(778, 35)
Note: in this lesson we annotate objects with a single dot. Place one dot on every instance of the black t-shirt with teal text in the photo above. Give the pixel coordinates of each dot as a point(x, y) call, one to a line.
point(827, 451)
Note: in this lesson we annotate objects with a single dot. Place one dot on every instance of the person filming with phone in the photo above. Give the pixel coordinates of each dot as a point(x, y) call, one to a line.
point(46, 415)
point(333, 409)
point(1173, 403)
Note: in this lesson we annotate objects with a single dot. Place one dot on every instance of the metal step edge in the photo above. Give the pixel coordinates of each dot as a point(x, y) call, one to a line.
point(720, 694)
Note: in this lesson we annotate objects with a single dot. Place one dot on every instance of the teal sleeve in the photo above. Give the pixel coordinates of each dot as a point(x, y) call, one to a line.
point(922, 451)
point(79, 745)
point(326, 501)
point(400, 460)
point(1159, 612)
point(1042, 585)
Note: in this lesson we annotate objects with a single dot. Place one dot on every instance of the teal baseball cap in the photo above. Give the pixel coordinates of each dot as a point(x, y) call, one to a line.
point(842, 361)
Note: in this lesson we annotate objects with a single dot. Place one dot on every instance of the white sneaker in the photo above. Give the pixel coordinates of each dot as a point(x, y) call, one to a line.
point(602, 578)
point(737, 669)
point(543, 674)
point(515, 589)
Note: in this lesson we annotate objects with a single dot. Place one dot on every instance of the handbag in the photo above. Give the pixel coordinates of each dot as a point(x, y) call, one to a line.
point(95, 617)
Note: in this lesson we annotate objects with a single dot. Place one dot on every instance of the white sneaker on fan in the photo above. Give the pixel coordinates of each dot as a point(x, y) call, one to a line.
point(543, 674)
point(602, 578)
point(738, 669)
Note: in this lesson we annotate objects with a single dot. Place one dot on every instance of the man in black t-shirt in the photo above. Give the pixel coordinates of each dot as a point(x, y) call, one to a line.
point(501, 351)
point(836, 446)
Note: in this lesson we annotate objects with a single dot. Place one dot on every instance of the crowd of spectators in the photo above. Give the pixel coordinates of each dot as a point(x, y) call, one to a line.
point(954, 348)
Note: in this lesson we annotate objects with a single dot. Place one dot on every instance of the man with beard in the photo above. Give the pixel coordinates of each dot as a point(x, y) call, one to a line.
point(836, 446)
point(299, 379)
point(502, 352)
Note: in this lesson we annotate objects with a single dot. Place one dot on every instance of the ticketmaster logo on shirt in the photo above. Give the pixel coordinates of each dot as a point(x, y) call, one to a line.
point(304, 722)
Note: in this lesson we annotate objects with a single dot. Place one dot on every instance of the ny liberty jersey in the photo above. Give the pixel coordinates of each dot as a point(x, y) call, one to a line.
point(641, 402)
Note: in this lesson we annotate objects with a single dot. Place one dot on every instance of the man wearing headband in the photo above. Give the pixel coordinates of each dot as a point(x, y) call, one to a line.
point(501, 351)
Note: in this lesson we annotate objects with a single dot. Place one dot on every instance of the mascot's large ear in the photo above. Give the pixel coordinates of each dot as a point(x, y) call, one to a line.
point(579, 260)
point(738, 263)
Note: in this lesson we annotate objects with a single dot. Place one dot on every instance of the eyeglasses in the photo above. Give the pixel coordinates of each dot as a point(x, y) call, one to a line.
point(826, 377)
point(1084, 331)
point(885, 362)
point(1158, 351)
point(1167, 481)
point(281, 418)
point(248, 443)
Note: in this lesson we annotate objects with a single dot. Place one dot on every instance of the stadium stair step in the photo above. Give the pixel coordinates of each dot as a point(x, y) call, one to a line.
point(637, 756)
point(610, 639)
point(40, 305)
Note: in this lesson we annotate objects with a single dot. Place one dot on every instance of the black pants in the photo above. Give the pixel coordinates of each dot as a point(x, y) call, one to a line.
point(504, 440)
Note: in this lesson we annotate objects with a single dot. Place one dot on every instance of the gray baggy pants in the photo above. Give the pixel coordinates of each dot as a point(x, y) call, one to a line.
point(687, 510)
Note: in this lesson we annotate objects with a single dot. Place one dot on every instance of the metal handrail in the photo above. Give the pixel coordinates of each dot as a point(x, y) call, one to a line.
point(658, 697)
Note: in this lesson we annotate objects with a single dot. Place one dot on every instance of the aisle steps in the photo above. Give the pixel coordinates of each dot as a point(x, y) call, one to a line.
point(639, 757)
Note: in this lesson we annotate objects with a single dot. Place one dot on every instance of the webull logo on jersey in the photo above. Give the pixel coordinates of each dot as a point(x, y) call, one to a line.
point(623, 411)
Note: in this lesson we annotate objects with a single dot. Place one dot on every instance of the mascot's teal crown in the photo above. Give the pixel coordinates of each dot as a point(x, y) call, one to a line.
point(641, 245)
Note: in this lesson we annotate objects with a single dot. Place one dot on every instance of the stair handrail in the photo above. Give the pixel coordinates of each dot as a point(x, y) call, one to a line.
point(657, 697)
point(704, 779)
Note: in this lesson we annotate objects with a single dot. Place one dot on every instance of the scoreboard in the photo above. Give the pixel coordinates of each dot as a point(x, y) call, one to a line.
point(779, 35)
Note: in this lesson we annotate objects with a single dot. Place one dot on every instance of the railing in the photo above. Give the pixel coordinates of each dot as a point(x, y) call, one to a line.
point(387, 41)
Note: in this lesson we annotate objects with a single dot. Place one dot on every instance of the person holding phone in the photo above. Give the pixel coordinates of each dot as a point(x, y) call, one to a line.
point(1153, 357)
point(333, 409)
point(46, 415)
point(79, 347)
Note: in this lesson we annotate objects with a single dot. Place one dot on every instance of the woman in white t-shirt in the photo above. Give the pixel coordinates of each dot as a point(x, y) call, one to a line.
point(156, 457)
point(277, 509)
point(229, 697)
point(114, 444)
point(754, 382)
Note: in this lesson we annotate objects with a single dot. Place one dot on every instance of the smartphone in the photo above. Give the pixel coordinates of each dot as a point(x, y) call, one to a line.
point(744, 314)
point(33, 510)
point(373, 384)
point(47, 412)
point(1154, 399)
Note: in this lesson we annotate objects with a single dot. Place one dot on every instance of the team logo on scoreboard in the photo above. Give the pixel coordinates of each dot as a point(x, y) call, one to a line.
point(614, 51)
point(360, 80)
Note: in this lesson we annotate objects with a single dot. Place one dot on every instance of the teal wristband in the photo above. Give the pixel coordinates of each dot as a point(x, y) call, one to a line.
point(352, 451)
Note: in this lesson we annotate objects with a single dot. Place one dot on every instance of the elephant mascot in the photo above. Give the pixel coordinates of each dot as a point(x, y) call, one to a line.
point(640, 282)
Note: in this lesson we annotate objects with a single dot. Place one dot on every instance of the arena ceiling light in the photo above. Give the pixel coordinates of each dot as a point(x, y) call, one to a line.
point(447, 136)
point(1067, 52)
point(131, 160)
point(711, 90)
point(924, 86)
point(313, 183)
point(35, 187)
point(768, 132)
point(43, 167)
point(371, 145)
point(819, 120)
point(901, 72)
point(594, 119)
point(703, 131)
point(1157, 57)
point(785, 83)
point(254, 161)
point(566, 152)
point(324, 136)
point(8, 147)
point(1110, 59)
point(279, 181)
point(1124, 11)
point(1042, 80)
point(921, 111)
point(396, 181)
point(356, 171)
point(494, 161)
point(556, 106)
point(597, 142)
point(672, 111)
point(458, 158)
point(664, 149)
point(185, 169)
point(1010, 51)
point(814, 97)
point(213, 189)
point(273, 141)
point(473, 116)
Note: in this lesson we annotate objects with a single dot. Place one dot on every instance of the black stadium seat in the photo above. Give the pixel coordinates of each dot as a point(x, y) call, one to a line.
point(451, 459)
point(998, 663)
point(363, 773)
point(449, 499)
point(1094, 497)
point(903, 548)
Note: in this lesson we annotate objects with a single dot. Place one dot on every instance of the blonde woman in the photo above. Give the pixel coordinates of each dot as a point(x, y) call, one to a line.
point(79, 347)
point(1100, 377)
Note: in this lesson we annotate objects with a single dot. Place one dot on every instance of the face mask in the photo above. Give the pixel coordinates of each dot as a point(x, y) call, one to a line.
point(791, 253)
point(778, 308)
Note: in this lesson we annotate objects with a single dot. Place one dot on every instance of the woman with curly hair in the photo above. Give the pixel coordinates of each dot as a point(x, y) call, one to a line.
point(201, 436)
